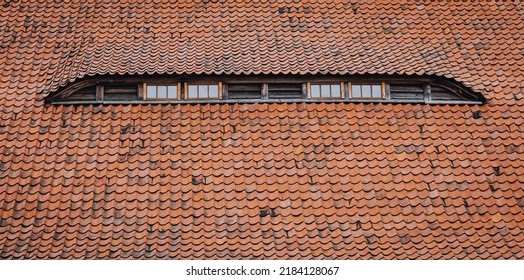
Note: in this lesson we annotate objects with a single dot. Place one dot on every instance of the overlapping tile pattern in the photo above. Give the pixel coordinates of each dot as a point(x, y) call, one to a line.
point(55, 42)
point(314, 181)
point(262, 181)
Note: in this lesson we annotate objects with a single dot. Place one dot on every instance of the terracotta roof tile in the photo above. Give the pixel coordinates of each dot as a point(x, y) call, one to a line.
point(298, 180)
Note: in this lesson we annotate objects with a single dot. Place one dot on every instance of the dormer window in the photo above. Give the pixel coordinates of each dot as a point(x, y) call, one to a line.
point(202, 91)
point(248, 89)
point(367, 91)
point(326, 91)
point(162, 92)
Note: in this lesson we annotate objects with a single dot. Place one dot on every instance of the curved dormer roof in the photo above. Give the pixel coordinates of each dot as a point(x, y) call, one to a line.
point(49, 44)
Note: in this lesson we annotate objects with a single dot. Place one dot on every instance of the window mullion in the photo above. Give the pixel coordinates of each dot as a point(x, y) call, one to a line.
point(185, 91)
point(265, 91)
point(225, 94)
point(308, 90)
point(427, 92)
point(304, 90)
point(99, 92)
point(387, 91)
point(141, 91)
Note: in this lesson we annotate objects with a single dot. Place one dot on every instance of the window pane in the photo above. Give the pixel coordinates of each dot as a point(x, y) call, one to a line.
point(172, 92)
point(202, 91)
point(376, 91)
point(213, 91)
point(335, 91)
point(325, 91)
point(192, 92)
point(151, 92)
point(355, 91)
point(162, 91)
point(366, 91)
point(315, 91)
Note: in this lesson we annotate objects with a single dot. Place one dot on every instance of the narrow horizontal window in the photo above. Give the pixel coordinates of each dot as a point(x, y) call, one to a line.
point(162, 92)
point(326, 91)
point(203, 91)
point(267, 89)
point(366, 91)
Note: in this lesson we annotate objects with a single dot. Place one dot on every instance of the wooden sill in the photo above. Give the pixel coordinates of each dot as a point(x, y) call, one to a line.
point(252, 101)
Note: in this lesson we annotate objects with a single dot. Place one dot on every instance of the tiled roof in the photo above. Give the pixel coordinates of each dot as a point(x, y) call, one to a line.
point(298, 180)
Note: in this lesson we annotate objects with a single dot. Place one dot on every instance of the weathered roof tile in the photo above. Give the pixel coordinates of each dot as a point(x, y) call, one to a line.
point(259, 181)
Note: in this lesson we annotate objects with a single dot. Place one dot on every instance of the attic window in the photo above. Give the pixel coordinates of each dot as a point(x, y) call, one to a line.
point(326, 91)
point(162, 92)
point(202, 91)
point(367, 91)
point(249, 89)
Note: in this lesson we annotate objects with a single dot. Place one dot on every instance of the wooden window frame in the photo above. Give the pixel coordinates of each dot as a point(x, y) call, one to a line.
point(144, 86)
point(265, 91)
point(330, 84)
point(99, 94)
point(219, 85)
point(464, 95)
point(382, 90)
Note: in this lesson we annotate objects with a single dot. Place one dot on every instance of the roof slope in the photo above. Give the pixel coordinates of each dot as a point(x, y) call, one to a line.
point(60, 41)
point(261, 180)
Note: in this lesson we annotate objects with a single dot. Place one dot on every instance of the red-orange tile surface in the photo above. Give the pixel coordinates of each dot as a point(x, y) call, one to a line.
point(262, 181)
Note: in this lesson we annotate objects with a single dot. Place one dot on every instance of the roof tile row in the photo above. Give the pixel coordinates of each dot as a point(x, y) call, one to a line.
point(263, 181)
